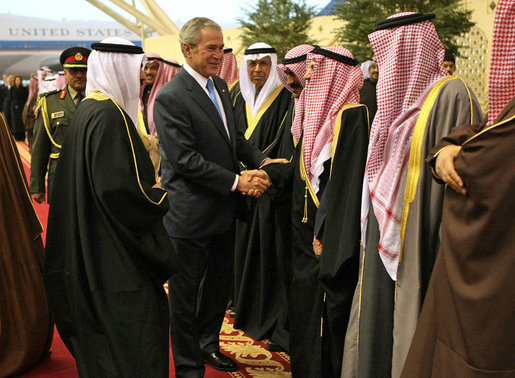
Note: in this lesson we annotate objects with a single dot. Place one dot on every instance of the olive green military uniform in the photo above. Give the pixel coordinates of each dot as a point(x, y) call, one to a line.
point(54, 113)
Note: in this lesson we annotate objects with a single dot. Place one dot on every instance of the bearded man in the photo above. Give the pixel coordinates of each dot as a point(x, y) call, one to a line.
point(328, 165)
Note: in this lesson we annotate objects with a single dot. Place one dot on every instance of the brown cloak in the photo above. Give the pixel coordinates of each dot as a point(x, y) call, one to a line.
point(25, 325)
point(466, 325)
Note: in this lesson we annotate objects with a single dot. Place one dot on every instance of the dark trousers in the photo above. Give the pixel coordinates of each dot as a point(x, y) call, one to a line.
point(198, 299)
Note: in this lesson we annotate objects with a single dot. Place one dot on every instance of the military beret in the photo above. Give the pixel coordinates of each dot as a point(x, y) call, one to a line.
point(75, 57)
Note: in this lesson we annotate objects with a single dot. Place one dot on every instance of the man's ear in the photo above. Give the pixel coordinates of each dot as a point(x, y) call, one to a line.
point(186, 48)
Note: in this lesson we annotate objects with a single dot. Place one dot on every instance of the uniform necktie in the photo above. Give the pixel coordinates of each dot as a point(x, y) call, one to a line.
point(212, 95)
point(79, 96)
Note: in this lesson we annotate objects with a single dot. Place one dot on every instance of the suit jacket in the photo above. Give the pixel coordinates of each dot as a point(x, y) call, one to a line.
point(199, 160)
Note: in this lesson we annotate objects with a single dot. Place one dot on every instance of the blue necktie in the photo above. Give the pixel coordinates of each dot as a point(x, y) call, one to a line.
point(212, 95)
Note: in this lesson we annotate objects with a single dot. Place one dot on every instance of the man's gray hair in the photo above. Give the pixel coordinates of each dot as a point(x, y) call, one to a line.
point(190, 32)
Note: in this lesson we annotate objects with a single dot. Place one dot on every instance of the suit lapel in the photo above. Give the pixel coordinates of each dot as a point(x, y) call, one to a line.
point(227, 104)
point(202, 99)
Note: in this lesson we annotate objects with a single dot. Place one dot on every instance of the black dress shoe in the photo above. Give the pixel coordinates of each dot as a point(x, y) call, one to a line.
point(274, 347)
point(220, 361)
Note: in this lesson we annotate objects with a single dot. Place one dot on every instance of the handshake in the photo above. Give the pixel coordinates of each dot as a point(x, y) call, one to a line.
point(255, 182)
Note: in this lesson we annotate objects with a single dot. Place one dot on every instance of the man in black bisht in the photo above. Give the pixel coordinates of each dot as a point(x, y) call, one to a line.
point(326, 178)
point(263, 110)
point(108, 253)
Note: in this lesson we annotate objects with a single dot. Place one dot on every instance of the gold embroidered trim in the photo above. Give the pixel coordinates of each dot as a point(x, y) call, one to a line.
point(488, 129)
point(46, 121)
point(303, 173)
point(72, 65)
point(253, 121)
point(470, 101)
point(337, 127)
point(415, 152)
point(309, 188)
point(322, 316)
point(233, 84)
point(362, 273)
point(235, 99)
point(277, 134)
point(101, 97)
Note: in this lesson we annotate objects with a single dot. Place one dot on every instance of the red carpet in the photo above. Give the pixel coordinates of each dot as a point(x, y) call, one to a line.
point(253, 359)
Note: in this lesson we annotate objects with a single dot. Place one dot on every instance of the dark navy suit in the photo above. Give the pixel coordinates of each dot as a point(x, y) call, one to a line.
point(199, 163)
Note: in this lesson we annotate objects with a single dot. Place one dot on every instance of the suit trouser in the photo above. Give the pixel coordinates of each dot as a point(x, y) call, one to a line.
point(198, 299)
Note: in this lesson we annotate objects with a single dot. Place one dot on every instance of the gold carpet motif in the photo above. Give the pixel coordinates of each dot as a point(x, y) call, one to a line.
point(252, 356)
point(255, 359)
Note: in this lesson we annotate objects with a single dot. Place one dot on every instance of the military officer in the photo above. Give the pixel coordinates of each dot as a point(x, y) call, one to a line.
point(54, 113)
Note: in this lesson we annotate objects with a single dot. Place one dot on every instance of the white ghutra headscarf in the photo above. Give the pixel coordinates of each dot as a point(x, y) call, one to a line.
point(113, 70)
point(248, 89)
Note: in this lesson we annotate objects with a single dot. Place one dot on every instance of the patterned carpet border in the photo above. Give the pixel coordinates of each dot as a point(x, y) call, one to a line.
point(252, 356)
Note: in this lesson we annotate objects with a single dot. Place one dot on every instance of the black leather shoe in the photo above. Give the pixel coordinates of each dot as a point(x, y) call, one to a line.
point(220, 361)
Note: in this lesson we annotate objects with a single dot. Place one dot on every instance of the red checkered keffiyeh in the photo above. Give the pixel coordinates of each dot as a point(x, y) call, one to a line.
point(299, 70)
point(332, 85)
point(501, 84)
point(410, 61)
point(164, 74)
point(229, 68)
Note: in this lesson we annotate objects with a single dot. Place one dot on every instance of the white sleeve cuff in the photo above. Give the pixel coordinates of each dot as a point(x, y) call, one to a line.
point(236, 180)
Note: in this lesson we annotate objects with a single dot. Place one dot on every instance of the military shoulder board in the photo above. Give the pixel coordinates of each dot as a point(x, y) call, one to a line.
point(45, 94)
